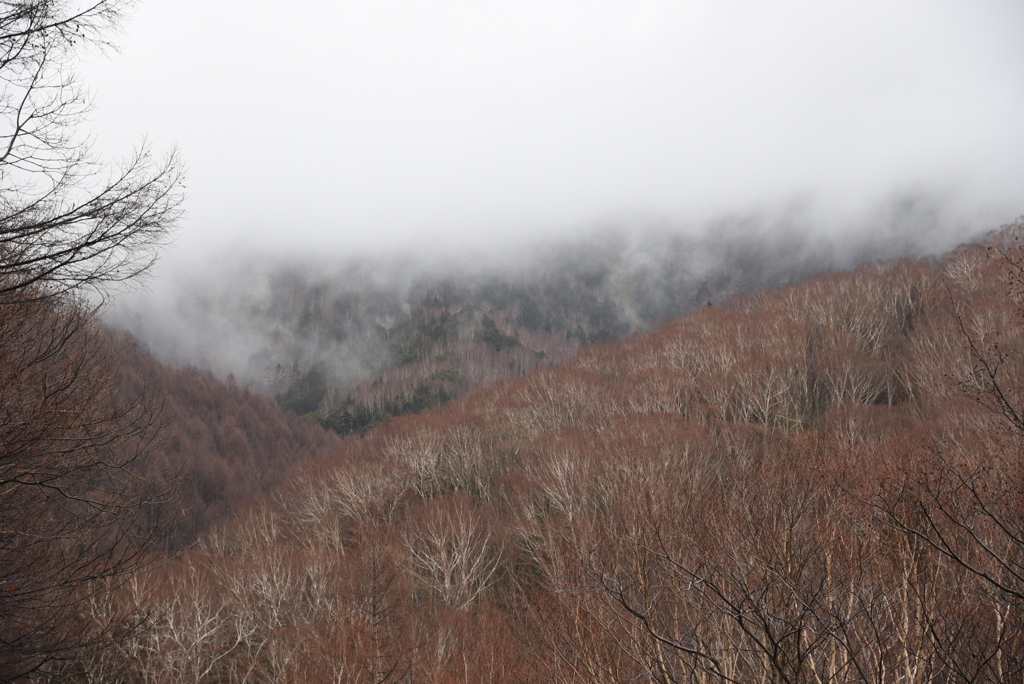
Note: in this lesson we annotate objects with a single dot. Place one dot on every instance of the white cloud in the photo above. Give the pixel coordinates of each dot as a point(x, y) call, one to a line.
point(354, 123)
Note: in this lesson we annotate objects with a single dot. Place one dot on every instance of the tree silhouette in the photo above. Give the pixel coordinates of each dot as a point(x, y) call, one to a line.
point(71, 228)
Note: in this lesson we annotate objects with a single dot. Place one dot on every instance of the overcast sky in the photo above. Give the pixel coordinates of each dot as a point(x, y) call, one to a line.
point(339, 123)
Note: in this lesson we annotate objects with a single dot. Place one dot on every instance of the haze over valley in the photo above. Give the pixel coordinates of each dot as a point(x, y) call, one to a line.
point(562, 341)
point(352, 341)
point(702, 146)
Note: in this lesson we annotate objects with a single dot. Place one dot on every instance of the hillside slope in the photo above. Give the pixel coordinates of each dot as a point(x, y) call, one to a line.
point(819, 483)
point(219, 444)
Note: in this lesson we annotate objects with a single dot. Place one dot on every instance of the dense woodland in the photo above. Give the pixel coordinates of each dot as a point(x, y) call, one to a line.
point(820, 483)
point(817, 481)
point(215, 444)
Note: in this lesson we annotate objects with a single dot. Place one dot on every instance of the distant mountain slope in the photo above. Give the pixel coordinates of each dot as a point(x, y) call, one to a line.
point(820, 483)
point(353, 343)
point(220, 443)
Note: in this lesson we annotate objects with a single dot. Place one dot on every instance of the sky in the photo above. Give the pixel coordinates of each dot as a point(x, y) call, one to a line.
point(332, 127)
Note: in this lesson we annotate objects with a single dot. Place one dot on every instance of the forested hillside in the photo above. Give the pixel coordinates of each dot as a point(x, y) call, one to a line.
point(691, 446)
point(816, 483)
point(355, 342)
point(217, 444)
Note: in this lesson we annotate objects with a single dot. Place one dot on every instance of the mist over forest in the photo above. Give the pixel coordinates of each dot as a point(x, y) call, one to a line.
point(835, 457)
point(355, 340)
point(247, 312)
point(572, 342)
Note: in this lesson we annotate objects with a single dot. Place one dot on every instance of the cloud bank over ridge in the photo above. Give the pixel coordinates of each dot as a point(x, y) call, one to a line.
point(366, 126)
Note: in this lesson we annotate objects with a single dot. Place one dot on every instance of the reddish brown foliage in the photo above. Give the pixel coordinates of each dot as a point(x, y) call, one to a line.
point(817, 484)
point(221, 443)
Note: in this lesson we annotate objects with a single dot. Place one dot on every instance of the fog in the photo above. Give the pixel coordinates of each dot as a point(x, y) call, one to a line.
point(251, 311)
point(369, 124)
point(319, 131)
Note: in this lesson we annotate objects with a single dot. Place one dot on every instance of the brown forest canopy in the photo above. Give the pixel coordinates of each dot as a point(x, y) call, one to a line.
point(819, 483)
point(219, 443)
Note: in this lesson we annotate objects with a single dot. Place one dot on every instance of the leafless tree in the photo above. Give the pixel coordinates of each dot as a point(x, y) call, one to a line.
point(61, 229)
point(71, 229)
point(453, 552)
point(965, 502)
point(73, 503)
point(386, 321)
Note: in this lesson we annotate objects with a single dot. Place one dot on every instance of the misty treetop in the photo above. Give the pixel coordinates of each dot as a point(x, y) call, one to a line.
point(360, 340)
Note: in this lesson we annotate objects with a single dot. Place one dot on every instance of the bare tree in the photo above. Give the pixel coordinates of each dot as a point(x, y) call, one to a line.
point(453, 552)
point(72, 505)
point(386, 321)
point(62, 230)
